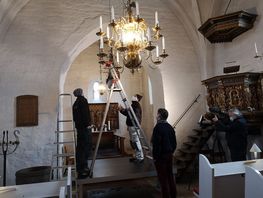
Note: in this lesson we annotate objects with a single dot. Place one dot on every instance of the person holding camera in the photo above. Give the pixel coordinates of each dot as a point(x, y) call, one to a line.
point(236, 134)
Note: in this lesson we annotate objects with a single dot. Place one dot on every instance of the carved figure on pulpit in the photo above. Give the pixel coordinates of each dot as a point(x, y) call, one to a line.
point(234, 98)
point(219, 100)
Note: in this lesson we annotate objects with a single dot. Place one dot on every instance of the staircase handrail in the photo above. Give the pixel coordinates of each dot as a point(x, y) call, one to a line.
point(185, 111)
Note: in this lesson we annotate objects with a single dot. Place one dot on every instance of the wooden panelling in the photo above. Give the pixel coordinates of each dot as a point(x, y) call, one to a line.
point(26, 110)
point(97, 111)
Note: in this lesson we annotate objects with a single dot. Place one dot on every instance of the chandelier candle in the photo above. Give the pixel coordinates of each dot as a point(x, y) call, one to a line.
point(149, 34)
point(256, 49)
point(163, 43)
point(108, 32)
point(101, 23)
point(137, 9)
point(117, 57)
point(156, 19)
point(112, 14)
point(101, 42)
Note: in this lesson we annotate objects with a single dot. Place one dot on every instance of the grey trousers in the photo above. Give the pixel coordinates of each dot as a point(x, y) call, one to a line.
point(136, 142)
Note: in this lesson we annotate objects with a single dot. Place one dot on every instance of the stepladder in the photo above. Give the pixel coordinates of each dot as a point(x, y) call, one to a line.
point(64, 159)
point(116, 85)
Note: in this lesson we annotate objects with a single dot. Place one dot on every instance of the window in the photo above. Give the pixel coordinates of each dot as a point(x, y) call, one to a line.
point(150, 91)
point(96, 93)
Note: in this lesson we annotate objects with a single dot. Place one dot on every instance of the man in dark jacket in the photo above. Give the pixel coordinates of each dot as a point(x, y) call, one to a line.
point(236, 134)
point(82, 119)
point(134, 138)
point(164, 145)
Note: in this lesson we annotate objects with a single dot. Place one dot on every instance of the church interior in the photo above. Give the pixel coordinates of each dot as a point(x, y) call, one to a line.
point(195, 58)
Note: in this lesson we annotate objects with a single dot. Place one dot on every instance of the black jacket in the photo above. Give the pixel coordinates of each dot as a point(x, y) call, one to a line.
point(137, 110)
point(236, 133)
point(163, 139)
point(81, 113)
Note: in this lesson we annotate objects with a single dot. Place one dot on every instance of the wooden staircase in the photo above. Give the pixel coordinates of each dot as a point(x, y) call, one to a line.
point(189, 151)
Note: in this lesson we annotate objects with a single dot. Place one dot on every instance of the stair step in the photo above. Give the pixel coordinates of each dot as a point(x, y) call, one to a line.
point(194, 136)
point(198, 131)
point(188, 151)
point(184, 158)
point(192, 144)
point(180, 166)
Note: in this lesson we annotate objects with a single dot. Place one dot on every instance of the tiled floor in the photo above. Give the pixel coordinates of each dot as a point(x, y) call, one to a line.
point(146, 188)
point(128, 180)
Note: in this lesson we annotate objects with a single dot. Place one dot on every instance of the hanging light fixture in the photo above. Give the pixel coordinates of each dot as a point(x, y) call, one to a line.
point(129, 37)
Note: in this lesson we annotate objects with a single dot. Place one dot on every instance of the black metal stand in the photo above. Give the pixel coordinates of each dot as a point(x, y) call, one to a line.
point(5, 148)
point(4, 170)
point(220, 149)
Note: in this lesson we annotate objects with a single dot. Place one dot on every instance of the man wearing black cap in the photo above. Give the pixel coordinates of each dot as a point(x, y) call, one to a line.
point(82, 119)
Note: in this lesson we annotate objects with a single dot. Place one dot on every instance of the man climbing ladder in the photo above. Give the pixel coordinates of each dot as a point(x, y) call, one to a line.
point(134, 137)
point(116, 84)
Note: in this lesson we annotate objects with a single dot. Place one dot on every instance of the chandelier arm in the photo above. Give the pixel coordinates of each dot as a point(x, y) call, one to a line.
point(151, 66)
point(122, 70)
point(149, 55)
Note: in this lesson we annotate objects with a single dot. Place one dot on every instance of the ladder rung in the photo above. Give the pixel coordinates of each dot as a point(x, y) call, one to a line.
point(66, 131)
point(64, 94)
point(64, 155)
point(149, 157)
point(145, 147)
point(65, 178)
point(68, 142)
point(64, 120)
point(64, 166)
point(117, 90)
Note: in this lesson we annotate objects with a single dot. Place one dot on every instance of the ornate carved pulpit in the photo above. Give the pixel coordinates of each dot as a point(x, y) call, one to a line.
point(242, 90)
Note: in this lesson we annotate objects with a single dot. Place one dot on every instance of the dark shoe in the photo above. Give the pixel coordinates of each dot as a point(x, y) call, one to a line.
point(138, 161)
point(87, 170)
point(133, 159)
point(82, 175)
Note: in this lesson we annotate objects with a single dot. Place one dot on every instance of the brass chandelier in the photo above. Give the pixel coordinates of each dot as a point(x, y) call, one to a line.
point(128, 37)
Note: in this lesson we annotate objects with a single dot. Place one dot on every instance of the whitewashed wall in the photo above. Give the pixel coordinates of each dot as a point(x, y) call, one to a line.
point(241, 49)
point(39, 41)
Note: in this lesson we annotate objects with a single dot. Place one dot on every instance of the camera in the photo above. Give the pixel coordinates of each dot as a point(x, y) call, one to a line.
point(220, 114)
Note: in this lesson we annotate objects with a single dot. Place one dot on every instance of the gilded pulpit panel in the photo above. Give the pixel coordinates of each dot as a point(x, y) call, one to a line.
point(242, 90)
